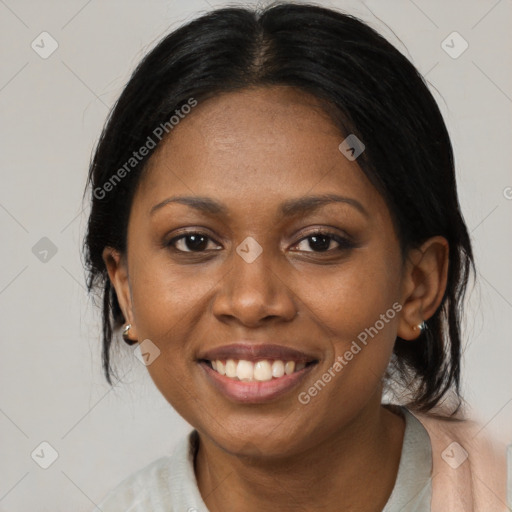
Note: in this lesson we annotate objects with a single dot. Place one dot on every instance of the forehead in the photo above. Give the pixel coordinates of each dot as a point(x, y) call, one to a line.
point(259, 143)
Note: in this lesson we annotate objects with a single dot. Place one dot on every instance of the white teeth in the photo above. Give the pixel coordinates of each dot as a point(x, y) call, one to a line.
point(245, 370)
point(220, 367)
point(230, 368)
point(289, 367)
point(262, 371)
point(277, 369)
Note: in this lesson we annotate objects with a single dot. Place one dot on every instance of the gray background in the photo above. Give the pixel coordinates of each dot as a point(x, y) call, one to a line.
point(53, 108)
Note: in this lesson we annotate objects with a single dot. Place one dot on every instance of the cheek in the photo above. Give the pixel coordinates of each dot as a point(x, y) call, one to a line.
point(167, 298)
point(356, 309)
point(168, 305)
point(350, 298)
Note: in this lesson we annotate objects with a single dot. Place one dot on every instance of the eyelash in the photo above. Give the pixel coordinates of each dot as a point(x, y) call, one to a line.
point(343, 243)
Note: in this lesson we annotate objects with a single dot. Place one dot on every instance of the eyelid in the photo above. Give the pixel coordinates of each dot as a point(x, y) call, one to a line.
point(343, 241)
point(331, 231)
point(188, 232)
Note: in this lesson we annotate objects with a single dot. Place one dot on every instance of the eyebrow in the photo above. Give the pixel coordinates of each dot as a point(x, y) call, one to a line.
point(289, 208)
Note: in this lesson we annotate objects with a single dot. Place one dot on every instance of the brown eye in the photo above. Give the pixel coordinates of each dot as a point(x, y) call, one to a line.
point(323, 242)
point(192, 242)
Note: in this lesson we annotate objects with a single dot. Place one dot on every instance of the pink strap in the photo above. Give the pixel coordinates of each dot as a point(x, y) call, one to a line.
point(468, 468)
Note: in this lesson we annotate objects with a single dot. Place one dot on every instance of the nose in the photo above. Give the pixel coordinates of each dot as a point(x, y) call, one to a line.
point(253, 293)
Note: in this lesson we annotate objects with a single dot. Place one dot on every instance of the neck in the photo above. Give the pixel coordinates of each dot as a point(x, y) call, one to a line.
point(334, 475)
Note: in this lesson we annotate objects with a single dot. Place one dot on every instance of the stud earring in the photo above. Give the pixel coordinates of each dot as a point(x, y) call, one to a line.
point(421, 327)
point(126, 330)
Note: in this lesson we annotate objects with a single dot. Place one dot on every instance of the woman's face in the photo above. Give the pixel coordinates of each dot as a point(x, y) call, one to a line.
point(263, 264)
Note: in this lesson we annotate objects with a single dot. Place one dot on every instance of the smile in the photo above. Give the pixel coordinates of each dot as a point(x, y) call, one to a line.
point(250, 371)
point(255, 373)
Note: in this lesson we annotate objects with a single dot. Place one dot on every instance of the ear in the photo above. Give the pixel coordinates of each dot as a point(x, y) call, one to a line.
point(423, 285)
point(117, 269)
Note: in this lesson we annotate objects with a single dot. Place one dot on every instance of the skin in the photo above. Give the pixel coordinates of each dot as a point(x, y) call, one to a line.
point(252, 150)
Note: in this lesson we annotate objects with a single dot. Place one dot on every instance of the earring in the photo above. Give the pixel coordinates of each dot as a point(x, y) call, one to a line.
point(421, 327)
point(126, 329)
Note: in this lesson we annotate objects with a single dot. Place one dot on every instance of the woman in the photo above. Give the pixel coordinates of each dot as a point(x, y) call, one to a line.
point(275, 223)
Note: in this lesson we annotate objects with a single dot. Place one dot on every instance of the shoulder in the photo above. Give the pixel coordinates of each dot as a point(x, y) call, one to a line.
point(167, 484)
point(468, 466)
point(145, 489)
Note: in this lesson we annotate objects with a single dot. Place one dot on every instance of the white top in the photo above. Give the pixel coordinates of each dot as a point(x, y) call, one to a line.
point(168, 484)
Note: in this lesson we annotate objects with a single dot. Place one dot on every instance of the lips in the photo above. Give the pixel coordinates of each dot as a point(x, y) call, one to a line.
point(250, 373)
point(252, 352)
